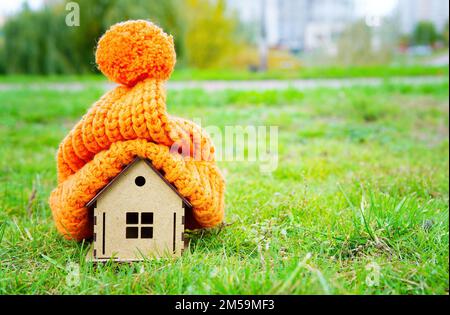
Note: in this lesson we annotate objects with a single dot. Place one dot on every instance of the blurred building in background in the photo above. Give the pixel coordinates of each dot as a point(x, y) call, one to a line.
point(309, 25)
point(300, 25)
point(326, 19)
point(292, 17)
point(411, 12)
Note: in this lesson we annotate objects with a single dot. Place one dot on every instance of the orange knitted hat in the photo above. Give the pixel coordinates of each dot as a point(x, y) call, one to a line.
point(129, 121)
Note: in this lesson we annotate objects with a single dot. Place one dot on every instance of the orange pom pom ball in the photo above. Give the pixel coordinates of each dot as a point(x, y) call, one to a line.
point(135, 50)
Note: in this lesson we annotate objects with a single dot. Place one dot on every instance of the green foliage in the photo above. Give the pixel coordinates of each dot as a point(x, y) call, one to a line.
point(209, 34)
point(40, 42)
point(362, 180)
point(445, 33)
point(2, 55)
point(425, 34)
point(356, 44)
point(36, 44)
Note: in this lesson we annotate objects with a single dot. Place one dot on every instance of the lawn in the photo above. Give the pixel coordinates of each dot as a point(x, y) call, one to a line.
point(359, 203)
point(184, 74)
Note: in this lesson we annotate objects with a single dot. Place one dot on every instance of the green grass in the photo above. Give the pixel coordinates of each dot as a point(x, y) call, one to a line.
point(362, 181)
point(183, 74)
point(313, 73)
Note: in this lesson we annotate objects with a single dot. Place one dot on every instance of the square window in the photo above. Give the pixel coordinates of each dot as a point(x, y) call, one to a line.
point(132, 218)
point(146, 232)
point(147, 218)
point(132, 232)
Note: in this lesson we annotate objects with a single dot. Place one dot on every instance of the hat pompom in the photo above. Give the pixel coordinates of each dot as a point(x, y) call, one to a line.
point(133, 51)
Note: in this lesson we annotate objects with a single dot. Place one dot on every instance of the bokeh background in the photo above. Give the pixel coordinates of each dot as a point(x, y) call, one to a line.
point(359, 92)
point(249, 36)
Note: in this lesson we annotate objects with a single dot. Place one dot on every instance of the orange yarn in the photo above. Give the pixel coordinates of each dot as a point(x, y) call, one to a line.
point(131, 120)
point(135, 50)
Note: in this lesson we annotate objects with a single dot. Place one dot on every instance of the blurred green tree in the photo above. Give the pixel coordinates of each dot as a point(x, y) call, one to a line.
point(425, 34)
point(360, 44)
point(445, 33)
point(40, 42)
point(35, 43)
point(210, 33)
point(354, 44)
point(2, 53)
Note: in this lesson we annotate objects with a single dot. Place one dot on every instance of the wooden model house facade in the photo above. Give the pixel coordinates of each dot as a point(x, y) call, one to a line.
point(138, 215)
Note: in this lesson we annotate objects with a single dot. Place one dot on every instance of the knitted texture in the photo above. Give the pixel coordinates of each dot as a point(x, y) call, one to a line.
point(129, 121)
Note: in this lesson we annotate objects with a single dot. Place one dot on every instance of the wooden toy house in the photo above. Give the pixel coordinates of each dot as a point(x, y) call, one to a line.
point(138, 215)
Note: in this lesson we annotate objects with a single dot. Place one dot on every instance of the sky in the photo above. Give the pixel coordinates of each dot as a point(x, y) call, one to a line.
point(374, 7)
point(363, 7)
point(11, 6)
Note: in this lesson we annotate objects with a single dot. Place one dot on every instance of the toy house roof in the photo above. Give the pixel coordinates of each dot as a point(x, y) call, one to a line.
point(148, 162)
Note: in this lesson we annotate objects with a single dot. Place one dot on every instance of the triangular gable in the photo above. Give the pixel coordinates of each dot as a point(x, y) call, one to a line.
point(148, 162)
